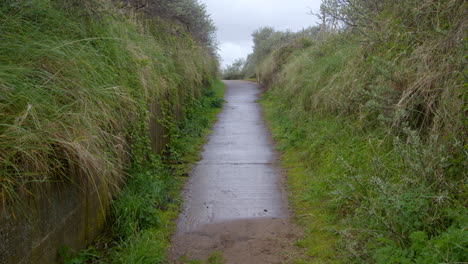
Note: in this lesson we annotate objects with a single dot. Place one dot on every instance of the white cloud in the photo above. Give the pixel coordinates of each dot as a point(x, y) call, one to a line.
point(237, 19)
point(230, 51)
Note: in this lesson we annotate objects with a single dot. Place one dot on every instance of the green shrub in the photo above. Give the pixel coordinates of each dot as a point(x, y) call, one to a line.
point(235, 71)
point(374, 109)
point(137, 207)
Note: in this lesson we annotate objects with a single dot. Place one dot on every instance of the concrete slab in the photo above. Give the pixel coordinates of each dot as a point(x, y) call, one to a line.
point(237, 177)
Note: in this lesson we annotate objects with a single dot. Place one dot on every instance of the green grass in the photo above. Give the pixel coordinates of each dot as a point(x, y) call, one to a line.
point(306, 184)
point(362, 197)
point(80, 82)
point(371, 127)
point(215, 257)
point(76, 80)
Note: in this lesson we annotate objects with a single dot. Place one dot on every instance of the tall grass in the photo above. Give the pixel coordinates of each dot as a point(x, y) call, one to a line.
point(375, 117)
point(76, 82)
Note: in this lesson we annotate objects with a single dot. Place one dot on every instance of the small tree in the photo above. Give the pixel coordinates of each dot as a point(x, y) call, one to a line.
point(191, 14)
point(234, 71)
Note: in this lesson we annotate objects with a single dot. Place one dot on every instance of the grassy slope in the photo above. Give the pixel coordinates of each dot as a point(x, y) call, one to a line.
point(350, 190)
point(78, 82)
point(77, 79)
point(370, 178)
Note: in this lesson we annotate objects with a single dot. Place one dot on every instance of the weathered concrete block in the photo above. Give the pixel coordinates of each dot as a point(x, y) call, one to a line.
point(63, 215)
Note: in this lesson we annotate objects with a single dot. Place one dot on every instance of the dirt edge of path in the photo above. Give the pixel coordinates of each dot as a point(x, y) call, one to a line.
point(245, 241)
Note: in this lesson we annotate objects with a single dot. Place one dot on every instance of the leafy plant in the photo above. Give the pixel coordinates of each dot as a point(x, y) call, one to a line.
point(71, 257)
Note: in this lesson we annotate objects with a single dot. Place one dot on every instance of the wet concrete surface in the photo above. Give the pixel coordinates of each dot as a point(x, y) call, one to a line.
point(236, 177)
point(235, 190)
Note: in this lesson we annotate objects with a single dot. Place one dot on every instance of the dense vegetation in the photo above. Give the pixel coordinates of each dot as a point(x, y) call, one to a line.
point(82, 84)
point(79, 81)
point(144, 212)
point(234, 71)
point(191, 15)
point(370, 111)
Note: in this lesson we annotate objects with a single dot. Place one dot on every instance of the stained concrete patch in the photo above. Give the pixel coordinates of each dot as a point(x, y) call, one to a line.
point(247, 241)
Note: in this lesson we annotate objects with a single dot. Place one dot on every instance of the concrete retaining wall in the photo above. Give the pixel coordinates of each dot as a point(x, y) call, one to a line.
point(65, 215)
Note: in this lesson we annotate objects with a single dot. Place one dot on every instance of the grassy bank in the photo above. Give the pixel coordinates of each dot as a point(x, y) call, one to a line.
point(359, 196)
point(80, 82)
point(307, 189)
point(371, 119)
point(144, 212)
point(98, 95)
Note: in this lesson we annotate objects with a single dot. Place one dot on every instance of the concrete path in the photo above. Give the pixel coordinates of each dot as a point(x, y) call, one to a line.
point(234, 202)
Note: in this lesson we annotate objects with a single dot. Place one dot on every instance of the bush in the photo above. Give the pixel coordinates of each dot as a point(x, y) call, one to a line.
point(235, 71)
point(267, 40)
point(190, 13)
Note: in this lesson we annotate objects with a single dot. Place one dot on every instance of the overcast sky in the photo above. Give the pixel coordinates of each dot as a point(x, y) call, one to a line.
point(237, 19)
